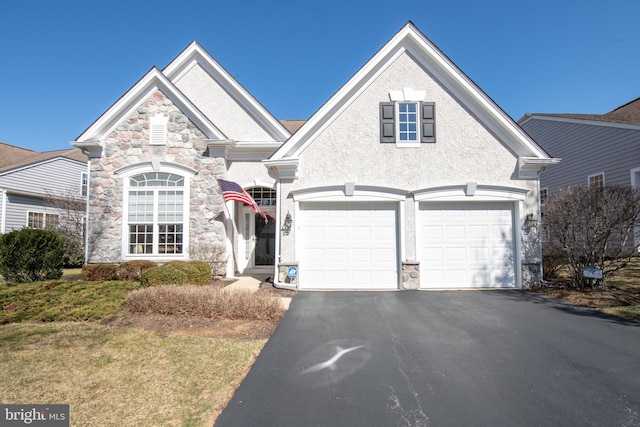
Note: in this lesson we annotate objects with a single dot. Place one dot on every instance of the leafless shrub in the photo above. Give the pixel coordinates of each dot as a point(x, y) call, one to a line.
point(594, 226)
point(203, 302)
point(70, 207)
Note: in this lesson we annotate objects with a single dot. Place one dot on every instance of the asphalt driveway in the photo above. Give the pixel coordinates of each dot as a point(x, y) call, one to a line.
point(466, 358)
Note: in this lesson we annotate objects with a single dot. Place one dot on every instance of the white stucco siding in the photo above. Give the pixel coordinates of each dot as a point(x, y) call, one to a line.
point(349, 149)
point(250, 174)
point(223, 111)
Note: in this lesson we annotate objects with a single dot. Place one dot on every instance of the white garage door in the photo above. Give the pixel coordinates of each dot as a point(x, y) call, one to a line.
point(348, 245)
point(466, 245)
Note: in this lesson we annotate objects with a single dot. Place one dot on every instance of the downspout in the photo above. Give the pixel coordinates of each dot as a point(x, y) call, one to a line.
point(5, 199)
point(86, 225)
point(276, 282)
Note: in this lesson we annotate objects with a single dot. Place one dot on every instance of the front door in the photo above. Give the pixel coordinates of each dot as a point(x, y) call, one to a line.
point(257, 239)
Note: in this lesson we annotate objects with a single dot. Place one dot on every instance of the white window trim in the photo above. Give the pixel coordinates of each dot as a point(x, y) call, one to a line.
point(408, 143)
point(129, 171)
point(84, 185)
point(594, 175)
point(408, 96)
point(545, 189)
point(44, 217)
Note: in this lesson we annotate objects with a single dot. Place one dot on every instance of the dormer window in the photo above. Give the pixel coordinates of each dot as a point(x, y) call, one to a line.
point(158, 129)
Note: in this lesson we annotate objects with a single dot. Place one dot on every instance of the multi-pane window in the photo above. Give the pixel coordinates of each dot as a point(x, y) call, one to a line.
point(544, 194)
point(263, 196)
point(84, 184)
point(596, 180)
point(408, 122)
point(42, 220)
point(156, 213)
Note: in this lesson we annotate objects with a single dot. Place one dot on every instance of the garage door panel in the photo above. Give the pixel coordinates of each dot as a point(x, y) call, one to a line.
point(453, 232)
point(359, 243)
point(474, 249)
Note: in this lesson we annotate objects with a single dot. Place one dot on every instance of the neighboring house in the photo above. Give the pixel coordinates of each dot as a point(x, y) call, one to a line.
point(596, 149)
point(30, 181)
point(408, 177)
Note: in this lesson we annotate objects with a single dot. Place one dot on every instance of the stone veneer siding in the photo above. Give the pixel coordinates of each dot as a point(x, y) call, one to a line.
point(128, 145)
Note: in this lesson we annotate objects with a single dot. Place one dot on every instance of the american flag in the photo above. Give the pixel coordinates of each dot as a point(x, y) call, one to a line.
point(232, 191)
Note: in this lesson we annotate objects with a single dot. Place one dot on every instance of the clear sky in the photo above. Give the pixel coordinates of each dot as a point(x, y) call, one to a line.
point(64, 62)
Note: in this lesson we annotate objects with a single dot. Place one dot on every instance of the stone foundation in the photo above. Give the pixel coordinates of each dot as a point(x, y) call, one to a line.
point(283, 269)
point(410, 275)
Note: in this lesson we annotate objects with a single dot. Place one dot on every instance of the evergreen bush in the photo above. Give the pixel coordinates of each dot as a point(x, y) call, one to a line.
point(198, 272)
point(164, 275)
point(29, 255)
point(100, 272)
point(132, 270)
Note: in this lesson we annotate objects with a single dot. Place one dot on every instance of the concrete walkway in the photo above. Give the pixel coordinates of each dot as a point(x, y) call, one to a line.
point(252, 284)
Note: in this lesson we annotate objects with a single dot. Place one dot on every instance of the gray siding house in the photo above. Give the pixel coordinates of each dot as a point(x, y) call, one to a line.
point(29, 181)
point(409, 177)
point(596, 149)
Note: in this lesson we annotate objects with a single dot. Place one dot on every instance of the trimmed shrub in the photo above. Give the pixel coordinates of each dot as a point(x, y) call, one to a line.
point(198, 272)
point(29, 255)
point(164, 275)
point(202, 301)
point(132, 270)
point(99, 272)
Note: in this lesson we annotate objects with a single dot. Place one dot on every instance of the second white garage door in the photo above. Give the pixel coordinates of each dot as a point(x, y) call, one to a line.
point(348, 245)
point(466, 245)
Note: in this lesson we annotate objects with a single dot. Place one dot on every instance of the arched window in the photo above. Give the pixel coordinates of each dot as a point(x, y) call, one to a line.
point(155, 214)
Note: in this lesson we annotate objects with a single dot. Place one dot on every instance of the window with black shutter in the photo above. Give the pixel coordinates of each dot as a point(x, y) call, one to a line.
point(408, 123)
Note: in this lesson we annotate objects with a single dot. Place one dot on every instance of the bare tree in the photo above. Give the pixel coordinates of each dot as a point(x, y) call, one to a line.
point(71, 208)
point(593, 226)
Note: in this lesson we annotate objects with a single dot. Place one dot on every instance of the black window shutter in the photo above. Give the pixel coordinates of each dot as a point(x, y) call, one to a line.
point(428, 128)
point(387, 122)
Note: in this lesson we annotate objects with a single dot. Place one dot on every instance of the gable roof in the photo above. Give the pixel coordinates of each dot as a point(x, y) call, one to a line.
point(410, 39)
point(18, 158)
point(10, 154)
point(628, 114)
point(194, 55)
point(152, 81)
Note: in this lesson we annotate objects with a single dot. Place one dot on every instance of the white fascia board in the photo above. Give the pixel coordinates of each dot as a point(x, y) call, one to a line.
point(284, 169)
point(194, 54)
point(472, 97)
point(337, 103)
point(154, 80)
point(529, 167)
point(242, 150)
point(410, 40)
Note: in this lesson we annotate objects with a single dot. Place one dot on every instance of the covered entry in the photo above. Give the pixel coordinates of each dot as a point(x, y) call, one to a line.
point(348, 245)
point(256, 235)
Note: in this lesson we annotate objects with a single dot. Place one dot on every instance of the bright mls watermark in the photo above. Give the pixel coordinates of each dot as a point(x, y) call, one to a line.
point(34, 415)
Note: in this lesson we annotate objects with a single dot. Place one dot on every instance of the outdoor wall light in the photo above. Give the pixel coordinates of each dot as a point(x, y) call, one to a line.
point(286, 226)
point(530, 222)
